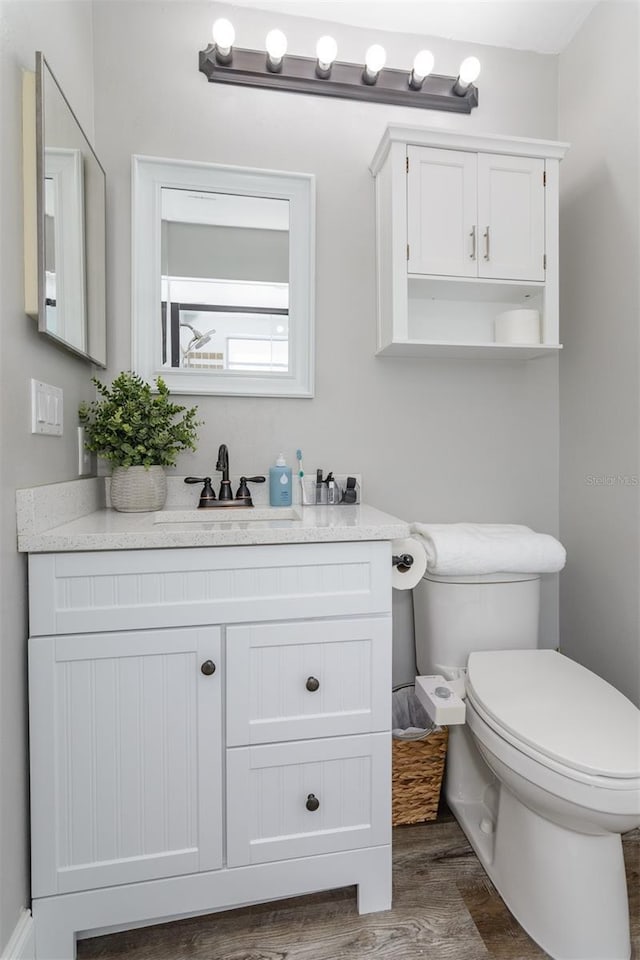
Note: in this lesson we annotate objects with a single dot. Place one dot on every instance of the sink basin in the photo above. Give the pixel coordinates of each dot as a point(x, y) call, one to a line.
point(227, 515)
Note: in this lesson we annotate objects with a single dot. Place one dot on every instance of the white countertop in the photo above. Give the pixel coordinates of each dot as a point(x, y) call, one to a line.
point(106, 529)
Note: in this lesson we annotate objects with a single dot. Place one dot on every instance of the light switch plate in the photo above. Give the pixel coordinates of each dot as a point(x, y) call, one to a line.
point(46, 409)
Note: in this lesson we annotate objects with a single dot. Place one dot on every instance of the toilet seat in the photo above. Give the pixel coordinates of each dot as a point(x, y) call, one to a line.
point(559, 713)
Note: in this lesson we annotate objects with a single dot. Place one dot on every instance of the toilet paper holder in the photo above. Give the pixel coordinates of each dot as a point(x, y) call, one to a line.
point(403, 561)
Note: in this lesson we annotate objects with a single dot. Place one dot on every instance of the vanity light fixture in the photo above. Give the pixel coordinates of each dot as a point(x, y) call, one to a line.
point(221, 62)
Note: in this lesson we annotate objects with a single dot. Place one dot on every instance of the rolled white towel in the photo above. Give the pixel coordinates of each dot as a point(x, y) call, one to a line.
point(467, 549)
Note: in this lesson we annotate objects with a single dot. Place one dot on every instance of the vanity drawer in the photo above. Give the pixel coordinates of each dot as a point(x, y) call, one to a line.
point(310, 679)
point(140, 589)
point(299, 799)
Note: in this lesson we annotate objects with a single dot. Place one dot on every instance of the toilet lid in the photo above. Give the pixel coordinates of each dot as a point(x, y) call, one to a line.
point(559, 708)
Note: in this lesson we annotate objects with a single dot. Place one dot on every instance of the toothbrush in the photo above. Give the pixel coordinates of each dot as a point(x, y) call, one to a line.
point(300, 474)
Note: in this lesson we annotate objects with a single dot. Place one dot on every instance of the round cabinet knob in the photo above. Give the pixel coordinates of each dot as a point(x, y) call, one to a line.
point(312, 802)
point(208, 668)
point(312, 684)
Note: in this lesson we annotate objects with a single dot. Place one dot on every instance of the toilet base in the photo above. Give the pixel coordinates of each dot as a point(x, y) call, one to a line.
point(566, 889)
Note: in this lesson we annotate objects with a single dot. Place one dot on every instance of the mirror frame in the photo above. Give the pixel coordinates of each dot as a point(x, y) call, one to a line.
point(35, 285)
point(149, 176)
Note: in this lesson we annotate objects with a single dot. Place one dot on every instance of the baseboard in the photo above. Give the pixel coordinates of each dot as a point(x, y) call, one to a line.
point(21, 945)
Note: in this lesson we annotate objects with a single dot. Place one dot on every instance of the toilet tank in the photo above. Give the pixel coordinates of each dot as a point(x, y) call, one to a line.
point(455, 616)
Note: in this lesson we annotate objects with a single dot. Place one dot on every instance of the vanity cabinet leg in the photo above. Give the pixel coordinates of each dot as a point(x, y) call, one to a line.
point(375, 890)
point(54, 939)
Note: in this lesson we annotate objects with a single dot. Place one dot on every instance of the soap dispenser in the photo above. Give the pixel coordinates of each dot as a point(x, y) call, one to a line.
point(280, 484)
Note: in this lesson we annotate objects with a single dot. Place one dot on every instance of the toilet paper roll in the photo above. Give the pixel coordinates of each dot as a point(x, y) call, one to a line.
point(407, 579)
point(518, 326)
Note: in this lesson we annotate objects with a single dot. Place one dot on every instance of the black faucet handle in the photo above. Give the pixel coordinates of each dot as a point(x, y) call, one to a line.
point(207, 495)
point(243, 489)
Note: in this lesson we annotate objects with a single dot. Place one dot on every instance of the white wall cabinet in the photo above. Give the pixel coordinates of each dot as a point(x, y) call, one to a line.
point(475, 215)
point(216, 760)
point(511, 234)
point(442, 212)
point(466, 228)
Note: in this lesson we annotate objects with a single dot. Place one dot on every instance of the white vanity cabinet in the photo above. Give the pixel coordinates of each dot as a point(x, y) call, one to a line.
point(466, 228)
point(209, 728)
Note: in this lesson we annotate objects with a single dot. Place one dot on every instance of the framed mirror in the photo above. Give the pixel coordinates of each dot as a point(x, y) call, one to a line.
point(223, 278)
point(65, 278)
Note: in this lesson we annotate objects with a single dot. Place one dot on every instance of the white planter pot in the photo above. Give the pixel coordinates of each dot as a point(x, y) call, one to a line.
point(138, 489)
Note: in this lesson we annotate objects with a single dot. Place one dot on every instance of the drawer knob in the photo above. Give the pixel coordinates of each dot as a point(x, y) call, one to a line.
point(312, 802)
point(208, 668)
point(312, 684)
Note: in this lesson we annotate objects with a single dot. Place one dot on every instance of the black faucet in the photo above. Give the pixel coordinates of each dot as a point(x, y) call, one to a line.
point(223, 465)
point(225, 497)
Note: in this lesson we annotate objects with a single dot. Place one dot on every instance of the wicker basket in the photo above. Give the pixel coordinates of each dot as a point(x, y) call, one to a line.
point(417, 777)
point(418, 765)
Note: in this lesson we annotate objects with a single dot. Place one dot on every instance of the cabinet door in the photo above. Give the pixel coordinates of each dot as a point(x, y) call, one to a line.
point(125, 757)
point(510, 217)
point(441, 212)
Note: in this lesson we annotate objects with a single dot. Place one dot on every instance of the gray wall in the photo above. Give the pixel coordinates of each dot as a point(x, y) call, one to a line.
point(229, 253)
point(63, 31)
point(437, 440)
point(599, 376)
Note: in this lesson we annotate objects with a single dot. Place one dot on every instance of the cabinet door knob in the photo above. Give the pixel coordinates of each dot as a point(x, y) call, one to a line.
point(208, 668)
point(312, 684)
point(312, 802)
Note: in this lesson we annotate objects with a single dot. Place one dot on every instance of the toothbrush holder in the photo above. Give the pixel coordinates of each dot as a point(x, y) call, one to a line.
point(310, 496)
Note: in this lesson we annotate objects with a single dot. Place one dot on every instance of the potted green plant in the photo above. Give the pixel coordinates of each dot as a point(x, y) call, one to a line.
point(140, 432)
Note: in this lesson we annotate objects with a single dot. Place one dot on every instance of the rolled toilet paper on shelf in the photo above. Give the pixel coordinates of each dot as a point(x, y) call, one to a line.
point(403, 578)
point(518, 326)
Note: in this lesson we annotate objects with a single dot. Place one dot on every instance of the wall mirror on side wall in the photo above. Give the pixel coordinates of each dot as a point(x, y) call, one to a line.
point(65, 185)
point(223, 278)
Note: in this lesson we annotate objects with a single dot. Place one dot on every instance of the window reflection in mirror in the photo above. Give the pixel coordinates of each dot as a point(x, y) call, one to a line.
point(225, 282)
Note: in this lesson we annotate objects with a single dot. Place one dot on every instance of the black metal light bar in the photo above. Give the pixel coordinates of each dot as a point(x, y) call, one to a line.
point(249, 68)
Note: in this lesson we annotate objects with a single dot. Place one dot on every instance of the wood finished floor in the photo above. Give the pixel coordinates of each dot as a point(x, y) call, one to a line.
point(444, 908)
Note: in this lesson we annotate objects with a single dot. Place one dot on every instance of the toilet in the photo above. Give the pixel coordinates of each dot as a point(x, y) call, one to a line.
point(544, 775)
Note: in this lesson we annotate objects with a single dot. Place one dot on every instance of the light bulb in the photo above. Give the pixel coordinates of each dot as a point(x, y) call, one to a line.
point(326, 51)
point(276, 44)
point(469, 71)
point(375, 58)
point(223, 35)
point(422, 65)
point(374, 61)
